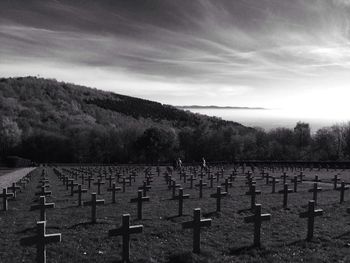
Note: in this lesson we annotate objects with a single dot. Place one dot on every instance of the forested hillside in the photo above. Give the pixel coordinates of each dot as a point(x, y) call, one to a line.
point(49, 121)
point(46, 120)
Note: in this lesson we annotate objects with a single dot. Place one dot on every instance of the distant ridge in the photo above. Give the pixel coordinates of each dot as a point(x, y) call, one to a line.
point(219, 107)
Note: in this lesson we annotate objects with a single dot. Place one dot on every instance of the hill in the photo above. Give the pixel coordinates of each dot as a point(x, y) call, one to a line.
point(51, 121)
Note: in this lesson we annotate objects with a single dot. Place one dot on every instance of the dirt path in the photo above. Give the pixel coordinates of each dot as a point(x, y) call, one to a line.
point(6, 180)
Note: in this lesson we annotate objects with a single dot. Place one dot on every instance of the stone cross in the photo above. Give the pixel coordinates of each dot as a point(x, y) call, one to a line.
point(80, 191)
point(43, 192)
point(227, 184)
point(295, 183)
point(125, 231)
point(342, 190)
point(310, 215)
point(257, 219)
point(191, 181)
point(124, 182)
point(110, 178)
point(89, 179)
point(232, 176)
point(315, 189)
point(185, 177)
point(267, 178)
point(94, 202)
point(284, 177)
point(145, 188)
point(201, 185)
point(173, 187)
point(99, 183)
point(114, 190)
point(42, 206)
point(14, 189)
point(218, 195)
point(82, 179)
point(211, 179)
point(5, 195)
point(253, 192)
point(335, 182)
point(316, 180)
point(274, 182)
point(285, 192)
point(41, 239)
point(64, 178)
point(181, 198)
point(68, 182)
point(72, 185)
point(149, 180)
point(196, 224)
point(139, 200)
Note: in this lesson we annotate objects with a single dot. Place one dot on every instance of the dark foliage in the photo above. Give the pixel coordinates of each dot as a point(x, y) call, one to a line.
point(49, 121)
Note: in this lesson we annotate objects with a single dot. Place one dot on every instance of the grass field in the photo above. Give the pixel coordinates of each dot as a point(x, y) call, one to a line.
point(229, 239)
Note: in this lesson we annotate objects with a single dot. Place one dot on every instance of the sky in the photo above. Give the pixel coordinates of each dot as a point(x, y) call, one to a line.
point(280, 54)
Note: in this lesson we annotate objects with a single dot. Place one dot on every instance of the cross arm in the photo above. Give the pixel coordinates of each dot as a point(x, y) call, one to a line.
point(136, 229)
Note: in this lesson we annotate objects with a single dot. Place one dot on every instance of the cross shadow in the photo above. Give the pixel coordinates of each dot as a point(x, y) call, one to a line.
point(244, 210)
point(211, 214)
point(172, 217)
point(29, 229)
point(242, 250)
point(186, 257)
point(343, 235)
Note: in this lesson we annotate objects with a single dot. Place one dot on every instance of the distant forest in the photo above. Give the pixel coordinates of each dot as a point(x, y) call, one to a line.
point(49, 121)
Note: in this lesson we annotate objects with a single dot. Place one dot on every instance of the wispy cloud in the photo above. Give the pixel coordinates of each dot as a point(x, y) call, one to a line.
point(243, 52)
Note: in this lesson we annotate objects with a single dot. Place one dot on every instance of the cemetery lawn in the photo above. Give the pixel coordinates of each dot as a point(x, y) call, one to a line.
point(228, 239)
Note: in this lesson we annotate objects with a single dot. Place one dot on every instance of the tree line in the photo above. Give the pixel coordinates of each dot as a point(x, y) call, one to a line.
point(158, 144)
point(49, 121)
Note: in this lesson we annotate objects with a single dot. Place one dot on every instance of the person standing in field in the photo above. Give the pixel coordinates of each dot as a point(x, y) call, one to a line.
point(203, 164)
point(179, 163)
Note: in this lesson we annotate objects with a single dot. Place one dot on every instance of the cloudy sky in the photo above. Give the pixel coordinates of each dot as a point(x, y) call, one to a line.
point(258, 53)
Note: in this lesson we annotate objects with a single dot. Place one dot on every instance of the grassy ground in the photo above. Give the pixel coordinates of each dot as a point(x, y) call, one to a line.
point(229, 239)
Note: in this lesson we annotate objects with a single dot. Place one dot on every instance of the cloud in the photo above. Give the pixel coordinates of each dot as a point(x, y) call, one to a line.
point(243, 50)
point(342, 2)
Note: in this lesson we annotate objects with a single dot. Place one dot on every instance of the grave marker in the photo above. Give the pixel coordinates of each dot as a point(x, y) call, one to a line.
point(5, 195)
point(99, 183)
point(125, 231)
point(93, 203)
point(181, 198)
point(114, 190)
point(310, 215)
point(314, 192)
point(79, 191)
point(42, 206)
point(257, 219)
point(41, 239)
point(201, 185)
point(139, 200)
point(196, 224)
point(14, 189)
point(342, 190)
point(218, 195)
point(253, 192)
point(285, 192)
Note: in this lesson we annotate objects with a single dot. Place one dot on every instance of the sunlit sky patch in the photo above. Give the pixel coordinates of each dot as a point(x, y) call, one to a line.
point(290, 55)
